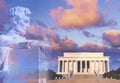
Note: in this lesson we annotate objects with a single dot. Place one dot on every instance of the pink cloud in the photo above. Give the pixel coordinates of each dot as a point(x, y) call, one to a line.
point(89, 46)
point(64, 44)
point(36, 32)
point(112, 37)
point(67, 44)
point(83, 13)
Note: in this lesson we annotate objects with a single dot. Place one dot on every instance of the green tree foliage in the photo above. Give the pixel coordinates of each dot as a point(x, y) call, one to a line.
point(115, 74)
point(52, 75)
point(49, 74)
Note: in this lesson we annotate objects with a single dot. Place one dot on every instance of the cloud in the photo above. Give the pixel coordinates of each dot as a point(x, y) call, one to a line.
point(112, 37)
point(110, 23)
point(67, 44)
point(34, 33)
point(3, 13)
point(81, 14)
point(91, 47)
point(60, 44)
point(38, 31)
point(39, 22)
point(64, 44)
point(88, 34)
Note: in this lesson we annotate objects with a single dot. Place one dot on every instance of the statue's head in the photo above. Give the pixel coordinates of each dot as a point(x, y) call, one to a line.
point(20, 16)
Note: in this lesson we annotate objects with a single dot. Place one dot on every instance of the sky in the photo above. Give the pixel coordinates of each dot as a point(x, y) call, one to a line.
point(68, 25)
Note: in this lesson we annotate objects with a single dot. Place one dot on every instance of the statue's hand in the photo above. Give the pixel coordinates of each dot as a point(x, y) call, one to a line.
point(43, 46)
point(29, 45)
point(34, 43)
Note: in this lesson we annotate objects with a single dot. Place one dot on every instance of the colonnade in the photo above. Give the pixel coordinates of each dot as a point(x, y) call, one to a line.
point(83, 66)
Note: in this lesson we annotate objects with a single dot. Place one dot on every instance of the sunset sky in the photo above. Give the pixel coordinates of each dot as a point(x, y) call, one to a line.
point(68, 25)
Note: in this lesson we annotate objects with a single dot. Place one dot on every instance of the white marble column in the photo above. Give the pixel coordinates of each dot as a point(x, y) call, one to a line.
point(81, 66)
point(99, 66)
point(90, 65)
point(89, 70)
point(108, 66)
point(76, 66)
point(72, 65)
point(103, 66)
point(62, 65)
point(67, 67)
point(85, 66)
point(58, 66)
point(94, 65)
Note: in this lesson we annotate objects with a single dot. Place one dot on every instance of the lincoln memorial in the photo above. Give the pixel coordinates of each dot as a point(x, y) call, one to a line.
point(83, 63)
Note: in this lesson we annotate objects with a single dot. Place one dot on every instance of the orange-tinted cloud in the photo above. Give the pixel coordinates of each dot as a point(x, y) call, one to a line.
point(89, 46)
point(64, 44)
point(83, 13)
point(112, 37)
point(67, 44)
point(36, 32)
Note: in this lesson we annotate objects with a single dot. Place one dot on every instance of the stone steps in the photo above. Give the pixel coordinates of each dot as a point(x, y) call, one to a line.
point(83, 76)
point(84, 81)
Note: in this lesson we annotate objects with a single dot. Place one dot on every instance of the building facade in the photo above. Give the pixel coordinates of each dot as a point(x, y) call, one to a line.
point(83, 63)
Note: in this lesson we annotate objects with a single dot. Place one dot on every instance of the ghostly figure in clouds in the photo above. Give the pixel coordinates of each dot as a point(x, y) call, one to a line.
point(20, 18)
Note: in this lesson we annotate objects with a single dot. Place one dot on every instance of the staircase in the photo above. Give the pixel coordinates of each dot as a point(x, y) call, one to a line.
point(83, 76)
point(84, 81)
point(80, 76)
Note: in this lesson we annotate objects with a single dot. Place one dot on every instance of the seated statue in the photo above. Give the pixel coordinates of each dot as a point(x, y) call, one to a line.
point(20, 21)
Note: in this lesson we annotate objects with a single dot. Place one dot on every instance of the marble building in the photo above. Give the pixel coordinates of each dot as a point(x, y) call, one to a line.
point(83, 63)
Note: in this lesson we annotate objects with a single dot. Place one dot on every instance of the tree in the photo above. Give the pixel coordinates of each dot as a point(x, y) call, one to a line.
point(49, 74)
point(115, 74)
point(52, 75)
